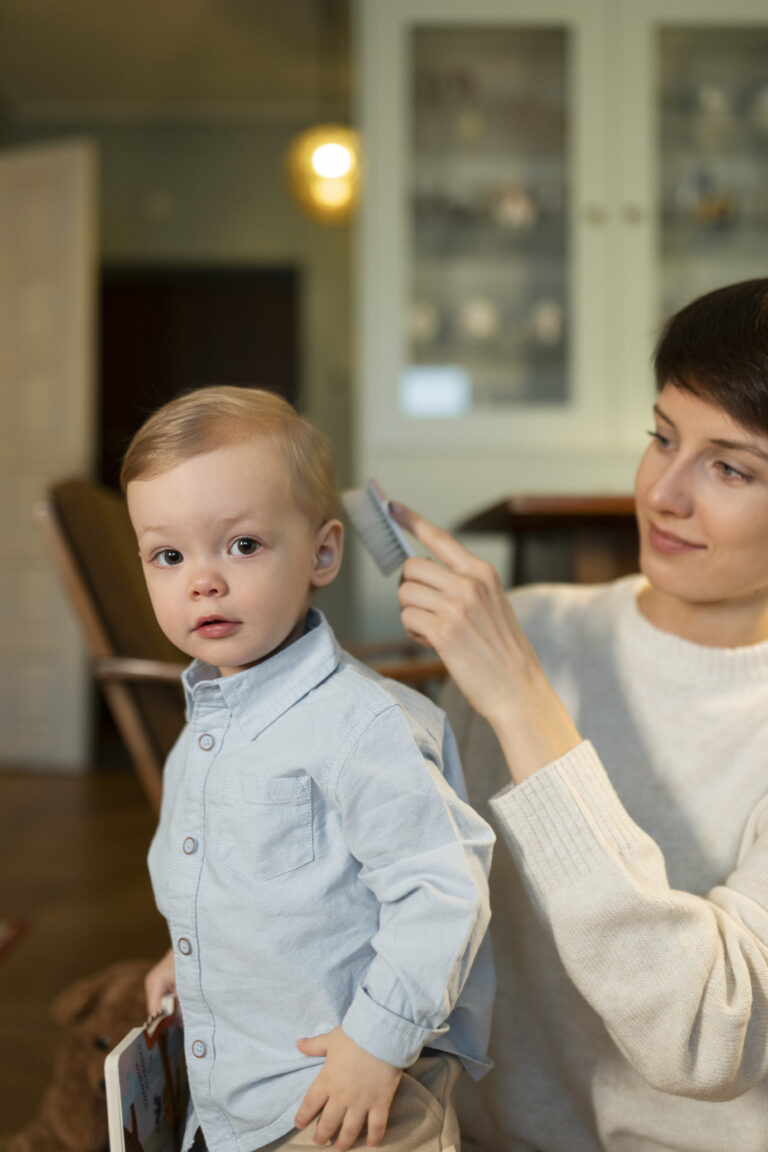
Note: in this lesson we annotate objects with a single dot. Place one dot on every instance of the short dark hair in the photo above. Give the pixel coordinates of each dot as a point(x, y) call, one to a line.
point(717, 348)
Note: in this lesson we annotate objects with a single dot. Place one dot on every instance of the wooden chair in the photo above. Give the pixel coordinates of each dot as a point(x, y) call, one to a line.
point(90, 538)
point(579, 539)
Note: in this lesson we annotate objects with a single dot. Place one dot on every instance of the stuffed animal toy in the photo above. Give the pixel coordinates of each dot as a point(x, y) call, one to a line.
point(96, 1012)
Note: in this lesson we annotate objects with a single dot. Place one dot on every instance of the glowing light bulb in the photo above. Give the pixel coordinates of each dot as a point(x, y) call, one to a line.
point(323, 169)
point(332, 161)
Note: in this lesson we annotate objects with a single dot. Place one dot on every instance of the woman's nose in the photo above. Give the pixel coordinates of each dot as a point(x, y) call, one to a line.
point(670, 491)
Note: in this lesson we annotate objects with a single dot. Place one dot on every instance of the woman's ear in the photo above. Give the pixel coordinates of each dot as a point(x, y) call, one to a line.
point(329, 546)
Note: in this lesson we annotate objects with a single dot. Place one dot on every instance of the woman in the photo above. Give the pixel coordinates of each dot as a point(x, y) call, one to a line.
point(630, 916)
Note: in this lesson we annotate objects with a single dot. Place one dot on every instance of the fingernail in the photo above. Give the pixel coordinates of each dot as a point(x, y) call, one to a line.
point(396, 509)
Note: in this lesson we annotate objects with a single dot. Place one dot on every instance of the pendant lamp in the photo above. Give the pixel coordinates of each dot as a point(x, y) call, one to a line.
point(323, 168)
point(323, 162)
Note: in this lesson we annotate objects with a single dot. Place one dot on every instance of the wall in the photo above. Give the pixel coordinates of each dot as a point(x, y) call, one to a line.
point(216, 194)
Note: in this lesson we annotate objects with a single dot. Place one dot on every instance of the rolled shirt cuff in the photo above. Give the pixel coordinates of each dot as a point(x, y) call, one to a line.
point(384, 1034)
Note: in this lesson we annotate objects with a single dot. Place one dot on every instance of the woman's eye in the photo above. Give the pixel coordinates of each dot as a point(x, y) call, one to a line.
point(660, 439)
point(167, 558)
point(731, 473)
point(244, 546)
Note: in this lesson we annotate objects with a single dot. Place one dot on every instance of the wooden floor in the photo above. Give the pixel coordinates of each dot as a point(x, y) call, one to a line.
point(73, 864)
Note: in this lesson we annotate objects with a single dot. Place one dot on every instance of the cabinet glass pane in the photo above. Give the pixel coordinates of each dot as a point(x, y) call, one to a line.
point(712, 96)
point(486, 320)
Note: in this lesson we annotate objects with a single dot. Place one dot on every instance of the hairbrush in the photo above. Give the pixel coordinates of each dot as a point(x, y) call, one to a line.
point(369, 515)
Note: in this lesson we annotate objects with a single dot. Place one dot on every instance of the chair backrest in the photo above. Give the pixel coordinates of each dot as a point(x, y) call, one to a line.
point(91, 540)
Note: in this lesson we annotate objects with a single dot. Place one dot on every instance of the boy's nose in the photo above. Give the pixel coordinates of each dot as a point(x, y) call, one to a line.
point(206, 583)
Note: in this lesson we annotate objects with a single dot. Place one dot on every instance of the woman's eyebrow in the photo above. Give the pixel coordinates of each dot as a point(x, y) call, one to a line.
point(732, 445)
point(743, 446)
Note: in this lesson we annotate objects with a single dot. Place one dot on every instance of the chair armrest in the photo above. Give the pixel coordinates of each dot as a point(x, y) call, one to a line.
point(136, 670)
point(415, 672)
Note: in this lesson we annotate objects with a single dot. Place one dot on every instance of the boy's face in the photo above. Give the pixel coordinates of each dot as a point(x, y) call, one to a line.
point(229, 559)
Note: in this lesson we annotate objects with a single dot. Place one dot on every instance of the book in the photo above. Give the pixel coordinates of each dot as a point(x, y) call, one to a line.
point(146, 1085)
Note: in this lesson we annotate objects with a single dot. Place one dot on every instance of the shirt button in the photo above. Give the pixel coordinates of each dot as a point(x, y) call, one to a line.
point(190, 846)
point(199, 1049)
point(184, 946)
point(206, 741)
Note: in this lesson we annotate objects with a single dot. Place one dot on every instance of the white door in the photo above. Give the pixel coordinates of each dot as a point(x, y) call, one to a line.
point(47, 340)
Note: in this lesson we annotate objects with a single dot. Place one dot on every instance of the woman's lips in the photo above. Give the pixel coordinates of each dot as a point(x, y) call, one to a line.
point(214, 628)
point(668, 543)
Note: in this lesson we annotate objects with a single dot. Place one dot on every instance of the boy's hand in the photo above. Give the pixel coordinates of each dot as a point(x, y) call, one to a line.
point(158, 982)
point(353, 1089)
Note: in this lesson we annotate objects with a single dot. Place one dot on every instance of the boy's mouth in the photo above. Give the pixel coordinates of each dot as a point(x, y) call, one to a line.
point(214, 627)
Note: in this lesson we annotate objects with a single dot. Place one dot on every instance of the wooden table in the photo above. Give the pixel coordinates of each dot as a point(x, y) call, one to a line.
point(581, 539)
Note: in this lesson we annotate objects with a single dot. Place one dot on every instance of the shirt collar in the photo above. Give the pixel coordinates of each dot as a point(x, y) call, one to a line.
point(259, 695)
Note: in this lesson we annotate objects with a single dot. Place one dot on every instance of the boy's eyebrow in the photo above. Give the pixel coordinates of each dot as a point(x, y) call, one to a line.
point(733, 445)
point(224, 520)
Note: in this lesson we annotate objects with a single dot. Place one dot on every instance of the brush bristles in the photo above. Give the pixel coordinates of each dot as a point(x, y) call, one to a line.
point(372, 524)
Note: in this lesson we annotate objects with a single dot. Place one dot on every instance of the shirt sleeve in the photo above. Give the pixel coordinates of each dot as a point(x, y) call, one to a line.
point(425, 855)
point(680, 981)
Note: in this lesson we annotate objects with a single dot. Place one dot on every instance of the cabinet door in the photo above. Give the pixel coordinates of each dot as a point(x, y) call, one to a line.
point(694, 131)
point(484, 237)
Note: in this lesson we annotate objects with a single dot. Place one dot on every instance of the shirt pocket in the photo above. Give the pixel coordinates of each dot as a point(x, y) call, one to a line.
point(266, 831)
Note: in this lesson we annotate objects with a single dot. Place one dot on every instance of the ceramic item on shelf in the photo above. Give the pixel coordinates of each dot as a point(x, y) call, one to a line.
point(478, 319)
point(514, 207)
point(547, 320)
point(423, 322)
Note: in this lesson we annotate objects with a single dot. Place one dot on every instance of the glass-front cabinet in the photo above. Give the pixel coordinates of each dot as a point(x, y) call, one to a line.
point(545, 181)
point(711, 109)
point(487, 283)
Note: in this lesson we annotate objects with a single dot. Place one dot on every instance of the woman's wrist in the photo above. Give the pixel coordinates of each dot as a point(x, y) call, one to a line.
point(533, 729)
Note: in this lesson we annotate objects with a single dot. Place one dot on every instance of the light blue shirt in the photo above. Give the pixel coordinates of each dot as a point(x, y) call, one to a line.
point(316, 867)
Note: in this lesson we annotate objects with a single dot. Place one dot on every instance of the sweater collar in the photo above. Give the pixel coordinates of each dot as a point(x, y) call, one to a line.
point(683, 660)
point(260, 695)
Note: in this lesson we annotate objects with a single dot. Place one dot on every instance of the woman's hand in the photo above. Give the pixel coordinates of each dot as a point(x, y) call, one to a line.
point(460, 608)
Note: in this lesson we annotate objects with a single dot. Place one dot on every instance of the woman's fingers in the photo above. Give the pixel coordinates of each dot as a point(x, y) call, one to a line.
point(439, 542)
point(460, 608)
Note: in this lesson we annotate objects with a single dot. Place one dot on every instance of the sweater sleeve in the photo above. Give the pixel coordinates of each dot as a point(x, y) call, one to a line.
point(680, 981)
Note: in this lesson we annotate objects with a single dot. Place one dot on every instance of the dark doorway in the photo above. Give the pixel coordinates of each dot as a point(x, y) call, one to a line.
point(166, 330)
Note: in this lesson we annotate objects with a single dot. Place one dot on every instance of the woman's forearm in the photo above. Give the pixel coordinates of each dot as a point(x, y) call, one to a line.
point(460, 608)
point(535, 728)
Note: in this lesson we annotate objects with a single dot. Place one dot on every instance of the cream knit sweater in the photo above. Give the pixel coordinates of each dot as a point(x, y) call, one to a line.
point(630, 906)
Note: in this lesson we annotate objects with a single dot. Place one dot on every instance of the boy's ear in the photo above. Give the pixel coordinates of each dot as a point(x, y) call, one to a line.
point(329, 546)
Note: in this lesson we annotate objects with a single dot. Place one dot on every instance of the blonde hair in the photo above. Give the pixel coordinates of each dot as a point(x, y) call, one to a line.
point(215, 417)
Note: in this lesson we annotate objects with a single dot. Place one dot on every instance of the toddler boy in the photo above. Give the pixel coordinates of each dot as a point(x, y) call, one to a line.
point(319, 874)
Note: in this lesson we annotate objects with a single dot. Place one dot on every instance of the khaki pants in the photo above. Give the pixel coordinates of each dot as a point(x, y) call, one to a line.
point(422, 1117)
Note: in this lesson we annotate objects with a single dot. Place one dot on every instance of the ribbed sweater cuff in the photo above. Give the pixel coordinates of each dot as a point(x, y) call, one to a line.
point(561, 822)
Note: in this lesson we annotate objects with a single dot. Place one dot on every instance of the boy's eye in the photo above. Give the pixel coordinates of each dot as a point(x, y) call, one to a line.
point(244, 546)
point(167, 558)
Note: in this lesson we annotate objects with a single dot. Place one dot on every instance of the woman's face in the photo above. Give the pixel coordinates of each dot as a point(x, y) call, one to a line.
point(702, 507)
